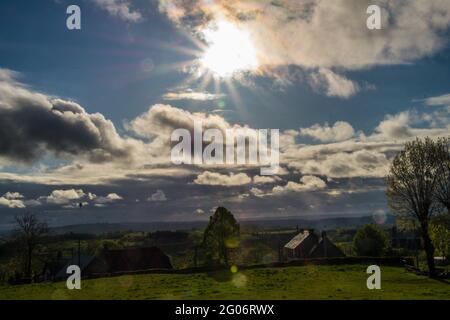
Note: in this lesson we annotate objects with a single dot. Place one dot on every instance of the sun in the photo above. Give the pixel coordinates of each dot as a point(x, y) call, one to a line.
point(229, 50)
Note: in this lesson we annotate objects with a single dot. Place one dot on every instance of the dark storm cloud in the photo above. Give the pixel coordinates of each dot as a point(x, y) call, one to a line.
point(32, 123)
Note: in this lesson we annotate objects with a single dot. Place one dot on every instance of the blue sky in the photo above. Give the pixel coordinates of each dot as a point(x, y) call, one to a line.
point(352, 92)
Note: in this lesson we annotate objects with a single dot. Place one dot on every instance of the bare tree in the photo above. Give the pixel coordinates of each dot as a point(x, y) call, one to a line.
point(443, 185)
point(29, 230)
point(411, 187)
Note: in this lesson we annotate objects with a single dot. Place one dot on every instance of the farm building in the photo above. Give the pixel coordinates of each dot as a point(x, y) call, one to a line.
point(134, 259)
point(307, 245)
point(88, 265)
point(110, 261)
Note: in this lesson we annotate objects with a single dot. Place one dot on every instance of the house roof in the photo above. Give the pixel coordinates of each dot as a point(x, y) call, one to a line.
point(136, 259)
point(84, 262)
point(298, 239)
point(326, 248)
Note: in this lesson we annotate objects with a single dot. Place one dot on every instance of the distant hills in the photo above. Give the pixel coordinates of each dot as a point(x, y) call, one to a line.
point(318, 223)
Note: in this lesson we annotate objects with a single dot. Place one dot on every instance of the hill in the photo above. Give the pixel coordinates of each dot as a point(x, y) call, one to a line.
point(306, 282)
point(316, 223)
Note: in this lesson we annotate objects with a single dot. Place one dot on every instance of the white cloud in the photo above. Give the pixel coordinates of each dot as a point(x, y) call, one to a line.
point(162, 119)
point(8, 75)
point(307, 183)
point(305, 33)
point(13, 195)
point(332, 84)
point(12, 203)
point(64, 196)
point(257, 192)
point(120, 8)
point(158, 196)
point(396, 126)
point(443, 100)
point(361, 163)
point(200, 211)
point(111, 197)
point(340, 131)
point(192, 95)
point(265, 179)
point(217, 179)
point(16, 200)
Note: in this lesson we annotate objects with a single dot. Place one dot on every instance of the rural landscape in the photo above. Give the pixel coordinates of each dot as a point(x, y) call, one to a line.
point(232, 260)
point(224, 150)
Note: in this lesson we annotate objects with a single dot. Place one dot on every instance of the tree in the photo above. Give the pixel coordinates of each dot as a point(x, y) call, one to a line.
point(29, 231)
point(369, 241)
point(440, 234)
point(443, 184)
point(220, 235)
point(411, 187)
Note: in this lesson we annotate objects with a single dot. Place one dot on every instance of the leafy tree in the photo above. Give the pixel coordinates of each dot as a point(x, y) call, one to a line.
point(29, 231)
point(221, 234)
point(370, 241)
point(443, 185)
point(411, 188)
point(440, 234)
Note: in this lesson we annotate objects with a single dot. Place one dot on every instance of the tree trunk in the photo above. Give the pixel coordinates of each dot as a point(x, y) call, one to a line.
point(225, 254)
point(429, 250)
point(29, 254)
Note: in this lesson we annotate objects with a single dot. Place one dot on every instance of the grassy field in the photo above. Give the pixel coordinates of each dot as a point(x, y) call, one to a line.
point(307, 282)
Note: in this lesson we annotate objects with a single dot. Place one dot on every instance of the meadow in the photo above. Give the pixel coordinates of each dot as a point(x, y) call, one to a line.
point(305, 282)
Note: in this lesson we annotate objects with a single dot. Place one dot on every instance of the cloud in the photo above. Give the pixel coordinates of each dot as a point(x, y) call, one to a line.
point(162, 119)
point(192, 95)
point(410, 30)
point(70, 198)
point(65, 196)
point(307, 183)
point(340, 131)
point(265, 179)
point(158, 196)
point(217, 179)
point(121, 9)
point(13, 195)
point(257, 192)
point(32, 124)
point(396, 126)
point(333, 84)
point(11, 203)
point(443, 100)
point(12, 200)
point(110, 198)
point(362, 163)
point(8, 75)
point(317, 24)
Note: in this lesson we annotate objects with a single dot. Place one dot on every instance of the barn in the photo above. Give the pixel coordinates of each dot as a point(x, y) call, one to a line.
point(135, 259)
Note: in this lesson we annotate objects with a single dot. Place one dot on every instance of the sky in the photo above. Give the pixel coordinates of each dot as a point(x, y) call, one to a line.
point(86, 115)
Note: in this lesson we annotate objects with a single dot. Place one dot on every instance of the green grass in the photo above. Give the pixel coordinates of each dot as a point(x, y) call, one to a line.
point(307, 282)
